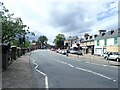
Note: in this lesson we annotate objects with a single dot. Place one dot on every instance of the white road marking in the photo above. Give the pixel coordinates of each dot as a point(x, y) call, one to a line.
point(96, 63)
point(99, 74)
point(46, 82)
point(96, 73)
point(71, 65)
point(46, 78)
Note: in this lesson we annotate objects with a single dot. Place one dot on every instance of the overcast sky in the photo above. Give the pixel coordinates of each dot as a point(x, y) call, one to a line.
point(70, 17)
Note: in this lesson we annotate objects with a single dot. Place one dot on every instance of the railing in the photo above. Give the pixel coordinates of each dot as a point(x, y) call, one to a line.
point(9, 55)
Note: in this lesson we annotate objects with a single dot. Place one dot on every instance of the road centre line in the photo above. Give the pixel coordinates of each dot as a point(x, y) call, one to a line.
point(46, 78)
point(82, 69)
point(71, 65)
point(95, 63)
point(95, 73)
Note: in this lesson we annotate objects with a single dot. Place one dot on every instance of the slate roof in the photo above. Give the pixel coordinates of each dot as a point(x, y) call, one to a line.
point(116, 33)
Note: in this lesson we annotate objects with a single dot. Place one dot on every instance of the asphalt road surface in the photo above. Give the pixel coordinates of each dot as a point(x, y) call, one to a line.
point(52, 70)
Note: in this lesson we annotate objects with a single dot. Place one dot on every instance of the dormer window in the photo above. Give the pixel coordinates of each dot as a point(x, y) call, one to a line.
point(103, 34)
point(90, 37)
point(110, 32)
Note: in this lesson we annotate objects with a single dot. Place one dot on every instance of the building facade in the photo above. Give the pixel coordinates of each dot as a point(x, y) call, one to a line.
point(71, 42)
point(88, 45)
point(107, 42)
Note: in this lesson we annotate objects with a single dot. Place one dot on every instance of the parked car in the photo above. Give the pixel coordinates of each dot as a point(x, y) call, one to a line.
point(114, 56)
point(58, 50)
point(63, 51)
point(52, 49)
point(75, 52)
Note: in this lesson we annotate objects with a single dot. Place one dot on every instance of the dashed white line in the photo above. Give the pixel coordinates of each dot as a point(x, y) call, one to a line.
point(96, 63)
point(71, 65)
point(46, 78)
point(82, 69)
point(99, 74)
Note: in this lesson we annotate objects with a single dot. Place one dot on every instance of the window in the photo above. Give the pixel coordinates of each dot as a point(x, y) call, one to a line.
point(115, 40)
point(105, 42)
point(98, 42)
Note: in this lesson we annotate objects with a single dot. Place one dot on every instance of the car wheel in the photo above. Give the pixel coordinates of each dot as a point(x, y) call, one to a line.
point(117, 59)
point(104, 57)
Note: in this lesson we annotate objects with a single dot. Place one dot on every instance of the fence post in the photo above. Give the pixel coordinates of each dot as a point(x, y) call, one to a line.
point(5, 62)
point(14, 48)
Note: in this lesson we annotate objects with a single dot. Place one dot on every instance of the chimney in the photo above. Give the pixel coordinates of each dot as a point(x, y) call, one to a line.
point(101, 31)
point(95, 36)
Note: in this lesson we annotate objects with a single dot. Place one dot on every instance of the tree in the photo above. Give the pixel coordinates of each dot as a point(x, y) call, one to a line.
point(12, 27)
point(42, 41)
point(59, 40)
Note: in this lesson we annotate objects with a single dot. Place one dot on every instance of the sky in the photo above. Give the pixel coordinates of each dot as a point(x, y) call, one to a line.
point(68, 17)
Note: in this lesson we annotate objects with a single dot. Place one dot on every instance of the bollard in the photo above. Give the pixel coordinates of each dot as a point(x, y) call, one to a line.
point(14, 54)
point(18, 52)
point(5, 62)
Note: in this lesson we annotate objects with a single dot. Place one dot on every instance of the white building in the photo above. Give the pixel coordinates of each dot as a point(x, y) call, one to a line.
point(107, 42)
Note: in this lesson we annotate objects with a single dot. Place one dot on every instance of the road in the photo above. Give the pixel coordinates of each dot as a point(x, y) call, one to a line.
point(52, 70)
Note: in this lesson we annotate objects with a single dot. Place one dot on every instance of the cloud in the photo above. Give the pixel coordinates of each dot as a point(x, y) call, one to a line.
point(66, 16)
point(69, 17)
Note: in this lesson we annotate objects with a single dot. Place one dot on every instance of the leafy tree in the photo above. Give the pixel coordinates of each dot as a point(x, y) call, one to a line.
point(12, 27)
point(27, 43)
point(59, 40)
point(42, 41)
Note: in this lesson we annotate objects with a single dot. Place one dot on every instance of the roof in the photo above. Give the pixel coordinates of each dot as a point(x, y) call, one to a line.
point(107, 35)
point(87, 40)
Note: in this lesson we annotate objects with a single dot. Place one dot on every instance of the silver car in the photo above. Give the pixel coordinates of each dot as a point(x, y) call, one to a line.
point(114, 56)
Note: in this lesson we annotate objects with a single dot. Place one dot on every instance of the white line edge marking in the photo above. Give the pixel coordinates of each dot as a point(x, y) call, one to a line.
point(46, 78)
point(90, 71)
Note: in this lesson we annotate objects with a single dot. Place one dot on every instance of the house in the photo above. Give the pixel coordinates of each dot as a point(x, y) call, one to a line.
point(87, 44)
point(107, 42)
point(71, 42)
point(113, 42)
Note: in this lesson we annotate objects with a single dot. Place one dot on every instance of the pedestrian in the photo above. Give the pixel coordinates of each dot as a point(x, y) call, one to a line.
point(108, 57)
point(67, 51)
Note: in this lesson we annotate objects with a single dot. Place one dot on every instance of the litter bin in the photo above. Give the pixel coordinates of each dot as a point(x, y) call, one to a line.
point(5, 52)
point(14, 49)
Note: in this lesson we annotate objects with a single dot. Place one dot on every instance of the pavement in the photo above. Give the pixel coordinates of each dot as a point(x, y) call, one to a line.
point(19, 74)
point(94, 59)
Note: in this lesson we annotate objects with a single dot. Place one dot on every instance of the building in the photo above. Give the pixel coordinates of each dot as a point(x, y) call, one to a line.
point(107, 42)
point(72, 42)
point(87, 44)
